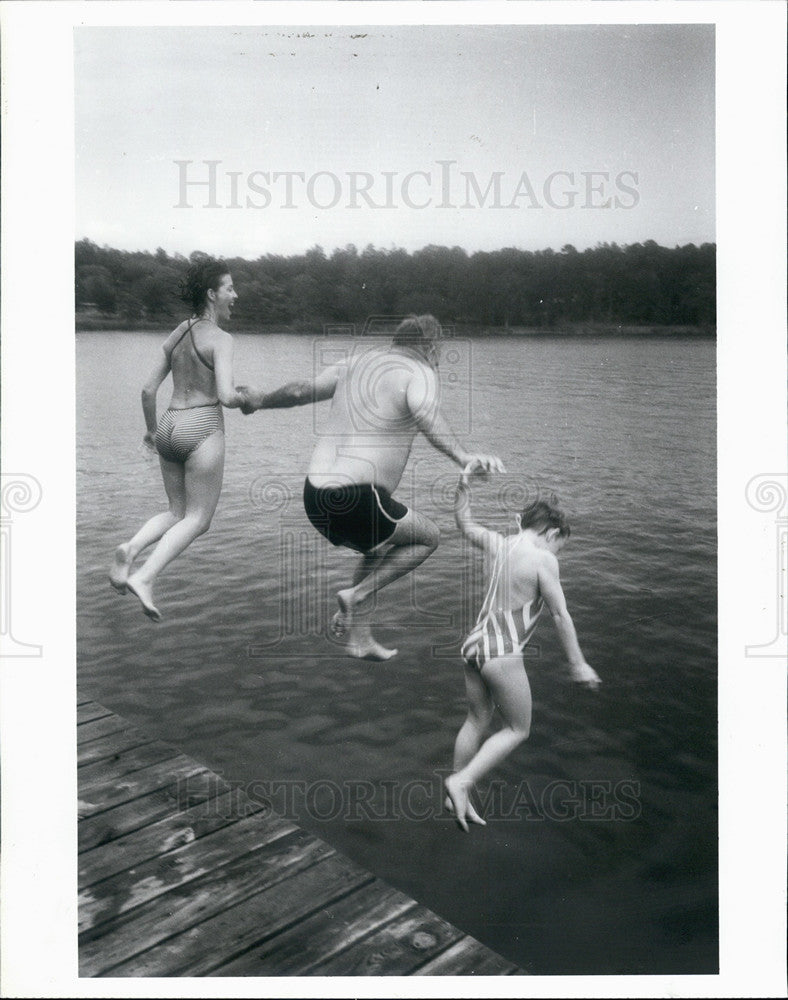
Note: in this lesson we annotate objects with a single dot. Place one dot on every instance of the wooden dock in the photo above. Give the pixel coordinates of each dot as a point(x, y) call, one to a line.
point(182, 875)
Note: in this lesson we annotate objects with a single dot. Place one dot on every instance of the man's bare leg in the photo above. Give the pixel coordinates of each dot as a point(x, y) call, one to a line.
point(415, 538)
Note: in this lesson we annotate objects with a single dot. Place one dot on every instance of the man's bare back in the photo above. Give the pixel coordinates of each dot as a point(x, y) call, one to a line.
point(380, 400)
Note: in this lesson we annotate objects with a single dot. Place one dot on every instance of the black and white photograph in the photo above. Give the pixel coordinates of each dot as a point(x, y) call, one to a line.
point(394, 460)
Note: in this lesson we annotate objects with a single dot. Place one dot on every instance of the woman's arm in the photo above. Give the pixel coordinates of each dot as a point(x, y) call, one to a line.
point(149, 390)
point(476, 534)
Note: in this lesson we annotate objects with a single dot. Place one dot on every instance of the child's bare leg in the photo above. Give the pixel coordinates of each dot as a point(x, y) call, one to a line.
point(469, 739)
point(507, 681)
point(477, 721)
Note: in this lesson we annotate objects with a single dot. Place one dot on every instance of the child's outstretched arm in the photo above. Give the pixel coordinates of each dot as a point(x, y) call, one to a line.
point(476, 534)
point(553, 595)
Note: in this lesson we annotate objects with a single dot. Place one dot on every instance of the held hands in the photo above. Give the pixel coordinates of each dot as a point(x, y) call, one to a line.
point(481, 466)
point(247, 406)
point(585, 675)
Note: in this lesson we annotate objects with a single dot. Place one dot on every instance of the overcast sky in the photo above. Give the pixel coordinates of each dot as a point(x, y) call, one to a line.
point(477, 136)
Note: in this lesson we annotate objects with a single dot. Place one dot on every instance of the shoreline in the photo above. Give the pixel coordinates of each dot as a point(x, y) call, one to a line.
point(110, 324)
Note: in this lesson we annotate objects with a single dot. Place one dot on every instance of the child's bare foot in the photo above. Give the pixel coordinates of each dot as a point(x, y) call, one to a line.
point(119, 570)
point(144, 594)
point(459, 803)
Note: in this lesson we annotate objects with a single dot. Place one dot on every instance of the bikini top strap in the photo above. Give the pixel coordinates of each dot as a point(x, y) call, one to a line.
point(194, 348)
point(187, 330)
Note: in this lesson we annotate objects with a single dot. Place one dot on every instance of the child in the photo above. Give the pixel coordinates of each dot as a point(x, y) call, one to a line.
point(523, 578)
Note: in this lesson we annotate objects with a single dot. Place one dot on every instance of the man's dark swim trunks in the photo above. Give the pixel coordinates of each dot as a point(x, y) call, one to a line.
point(360, 516)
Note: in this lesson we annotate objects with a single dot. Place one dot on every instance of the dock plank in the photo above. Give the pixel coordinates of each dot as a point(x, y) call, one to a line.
point(110, 898)
point(397, 949)
point(163, 836)
point(469, 957)
point(89, 711)
point(107, 746)
point(300, 950)
point(124, 762)
point(102, 795)
point(188, 903)
point(197, 950)
point(113, 823)
point(100, 727)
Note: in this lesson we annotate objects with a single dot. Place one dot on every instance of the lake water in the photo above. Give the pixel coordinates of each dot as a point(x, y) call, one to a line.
point(600, 851)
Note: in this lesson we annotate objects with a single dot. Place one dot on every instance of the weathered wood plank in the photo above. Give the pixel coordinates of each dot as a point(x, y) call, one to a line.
point(197, 950)
point(188, 903)
point(107, 826)
point(123, 762)
point(100, 727)
point(182, 875)
point(89, 711)
point(469, 957)
point(107, 746)
point(111, 897)
point(397, 949)
point(159, 838)
point(300, 950)
point(105, 794)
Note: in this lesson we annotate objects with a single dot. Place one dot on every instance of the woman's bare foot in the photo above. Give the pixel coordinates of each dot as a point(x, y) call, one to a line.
point(119, 570)
point(144, 594)
point(458, 802)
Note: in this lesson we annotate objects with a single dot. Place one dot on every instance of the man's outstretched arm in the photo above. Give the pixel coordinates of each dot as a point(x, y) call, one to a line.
point(297, 393)
point(422, 396)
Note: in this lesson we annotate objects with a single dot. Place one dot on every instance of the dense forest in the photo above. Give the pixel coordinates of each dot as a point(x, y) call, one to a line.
point(640, 285)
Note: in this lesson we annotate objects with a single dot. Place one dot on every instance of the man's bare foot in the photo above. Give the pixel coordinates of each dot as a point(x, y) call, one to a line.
point(144, 594)
point(338, 625)
point(119, 570)
point(346, 602)
point(356, 635)
point(459, 803)
point(367, 648)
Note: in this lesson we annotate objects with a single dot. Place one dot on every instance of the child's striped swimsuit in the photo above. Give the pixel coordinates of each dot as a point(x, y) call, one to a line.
point(497, 633)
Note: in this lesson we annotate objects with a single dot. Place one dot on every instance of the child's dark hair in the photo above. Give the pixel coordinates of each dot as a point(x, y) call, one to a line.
point(541, 515)
point(204, 273)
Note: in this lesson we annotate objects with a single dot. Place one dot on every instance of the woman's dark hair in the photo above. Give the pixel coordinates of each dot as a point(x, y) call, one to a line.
point(541, 515)
point(204, 273)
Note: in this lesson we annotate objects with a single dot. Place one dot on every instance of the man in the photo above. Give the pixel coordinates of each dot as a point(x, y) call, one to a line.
point(380, 401)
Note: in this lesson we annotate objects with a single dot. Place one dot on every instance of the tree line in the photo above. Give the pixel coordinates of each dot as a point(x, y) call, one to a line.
point(641, 284)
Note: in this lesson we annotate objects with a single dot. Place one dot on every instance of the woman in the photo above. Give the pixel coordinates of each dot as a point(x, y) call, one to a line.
point(189, 436)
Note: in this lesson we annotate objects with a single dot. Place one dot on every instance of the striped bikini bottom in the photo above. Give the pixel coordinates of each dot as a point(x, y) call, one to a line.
point(180, 432)
point(499, 633)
